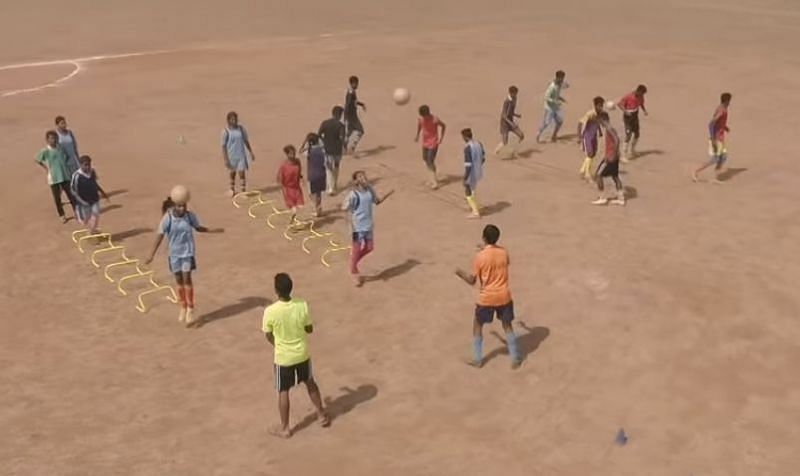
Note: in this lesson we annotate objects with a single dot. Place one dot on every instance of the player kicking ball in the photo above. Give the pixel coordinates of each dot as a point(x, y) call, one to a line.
point(609, 166)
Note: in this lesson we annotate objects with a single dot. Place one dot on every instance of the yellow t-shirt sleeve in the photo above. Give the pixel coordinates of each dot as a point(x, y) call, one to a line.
point(306, 315)
point(587, 117)
point(266, 322)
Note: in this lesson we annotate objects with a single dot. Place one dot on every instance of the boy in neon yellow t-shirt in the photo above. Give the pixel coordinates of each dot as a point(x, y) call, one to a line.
point(286, 324)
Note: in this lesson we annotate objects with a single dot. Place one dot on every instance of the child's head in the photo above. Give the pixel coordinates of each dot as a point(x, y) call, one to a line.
point(86, 163)
point(641, 90)
point(283, 286)
point(290, 151)
point(491, 234)
point(598, 103)
point(725, 98)
point(312, 138)
point(359, 178)
point(61, 122)
point(337, 112)
point(353, 82)
point(513, 91)
point(466, 134)
point(232, 118)
point(560, 75)
point(424, 110)
point(52, 138)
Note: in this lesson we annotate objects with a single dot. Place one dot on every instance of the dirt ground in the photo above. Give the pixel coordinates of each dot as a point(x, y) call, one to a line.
point(674, 318)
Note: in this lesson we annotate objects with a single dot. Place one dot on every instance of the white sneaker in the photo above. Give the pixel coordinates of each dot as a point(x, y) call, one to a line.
point(182, 315)
point(618, 201)
point(600, 201)
point(189, 317)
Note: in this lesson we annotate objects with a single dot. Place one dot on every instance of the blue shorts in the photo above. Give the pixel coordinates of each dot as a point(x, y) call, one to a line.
point(550, 116)
point(182, 265)
point(362, 236)
point(485, 314)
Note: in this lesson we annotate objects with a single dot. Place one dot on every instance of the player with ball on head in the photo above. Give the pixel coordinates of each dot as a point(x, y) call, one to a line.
point(178, 225)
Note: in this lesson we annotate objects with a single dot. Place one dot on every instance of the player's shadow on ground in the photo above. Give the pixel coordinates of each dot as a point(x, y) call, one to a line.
point(645, 153)
point(341, 405)
point(566, 137)
point(109, 208)
point(527, 343)
point(362, 154)
point(450, 178)
point(394, 271)
point(124, 235)
point(114, 193)
point(231, 310)
point(631, 193)
point(730, 174)
point(526, 154)
point(494, 208)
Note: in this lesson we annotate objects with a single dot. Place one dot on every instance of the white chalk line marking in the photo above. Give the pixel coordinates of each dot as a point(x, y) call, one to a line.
point(77, 63)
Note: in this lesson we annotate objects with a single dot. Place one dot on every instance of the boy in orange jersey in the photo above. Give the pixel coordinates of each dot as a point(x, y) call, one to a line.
point(490, 269)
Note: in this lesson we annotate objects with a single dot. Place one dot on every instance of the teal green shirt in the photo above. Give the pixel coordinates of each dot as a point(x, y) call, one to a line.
point(56, 162)
point(551, 97)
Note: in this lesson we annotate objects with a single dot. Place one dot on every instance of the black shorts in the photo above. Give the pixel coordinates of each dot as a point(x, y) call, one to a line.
point(429, 155)
point(317, 186)
point(485, 314)
point(631, 122)
point(608, 168)
point(288, 377)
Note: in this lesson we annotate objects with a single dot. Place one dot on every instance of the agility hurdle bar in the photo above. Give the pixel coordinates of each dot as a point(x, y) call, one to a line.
point(333, 248)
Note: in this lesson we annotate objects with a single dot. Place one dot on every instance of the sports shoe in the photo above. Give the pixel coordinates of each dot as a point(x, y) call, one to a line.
point(618, 201)
point(600, 201)
point(182, 315)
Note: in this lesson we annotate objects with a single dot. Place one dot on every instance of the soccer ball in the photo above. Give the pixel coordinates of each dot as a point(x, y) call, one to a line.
point(179, 194)
point(401, 96)
point(610, 105)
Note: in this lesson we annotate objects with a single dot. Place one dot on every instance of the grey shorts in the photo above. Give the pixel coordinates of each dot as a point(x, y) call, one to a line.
point(182, 265)
point(332, 161)
point(239, 164)
point(84, 212)
point(429, 156)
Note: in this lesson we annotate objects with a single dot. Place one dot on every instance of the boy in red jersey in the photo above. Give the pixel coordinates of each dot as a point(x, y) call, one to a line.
point(717, 129)
point(609, 166)
point(430, 127)
point(630, 105)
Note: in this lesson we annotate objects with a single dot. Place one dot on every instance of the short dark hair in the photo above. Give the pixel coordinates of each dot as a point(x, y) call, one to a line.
point(85, 159)
point(513, 89)
point(598, 101)
point(59, 119)
point(312, 138)
point(353, 79)
point(424, 110)
point(726, 97)
point(51, 133)
point(467, 133)
point(641, 89)
point(603, 116)
point(231, 115)
point(355, 174)
point(560, 74)
point(491, 234)
point(337, 111)
point(283, 285)
point(288, 148)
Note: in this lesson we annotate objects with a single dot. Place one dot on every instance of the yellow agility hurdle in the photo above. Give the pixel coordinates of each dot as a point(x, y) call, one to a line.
point(77, 233)
point(138, 274)
point(297, 226)
point(236, 197)
point(111, 247)
point(276, 212)
point(314, 234)
point(96, 236)
point(260, 203)
point(333, 248)
point(172, 297)
point(126, 261)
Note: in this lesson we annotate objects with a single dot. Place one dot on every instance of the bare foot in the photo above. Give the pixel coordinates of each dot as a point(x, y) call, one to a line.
point(434, 185)
point(280, 432)
point(474, 216)
point(474, 363)
point(324, 420)
point(717, 181)
point(515, 364)
point(358, 280)
point(694, 177)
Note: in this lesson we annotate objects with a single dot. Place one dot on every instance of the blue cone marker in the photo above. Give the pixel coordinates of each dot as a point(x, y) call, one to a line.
point(621, 438)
